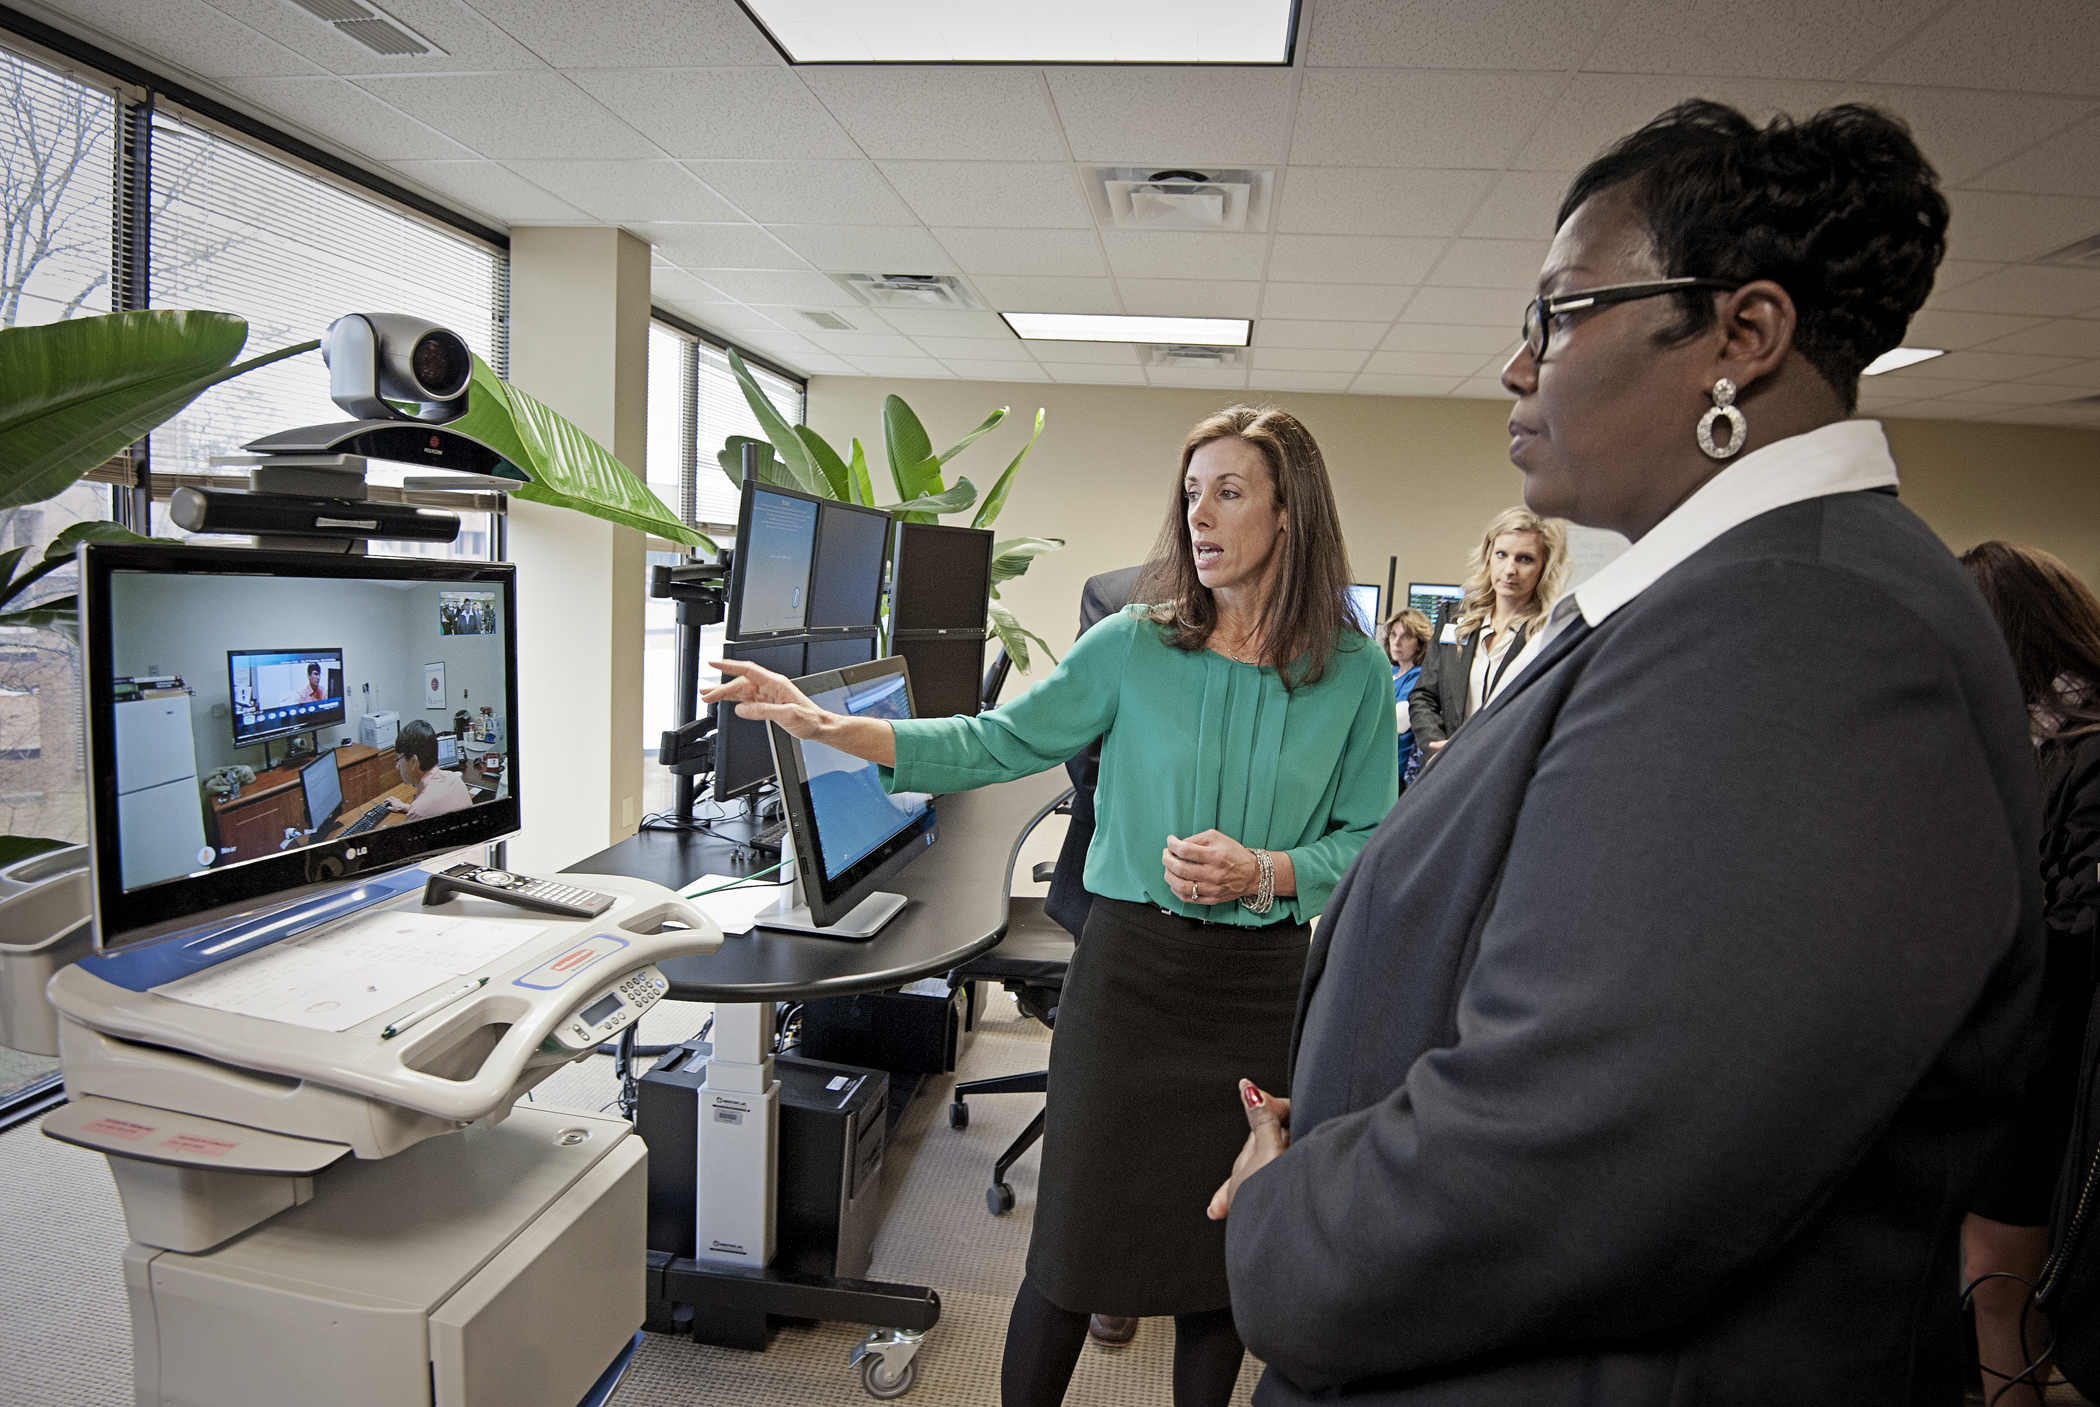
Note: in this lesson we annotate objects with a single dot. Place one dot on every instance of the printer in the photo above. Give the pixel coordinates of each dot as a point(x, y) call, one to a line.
point(378, 729)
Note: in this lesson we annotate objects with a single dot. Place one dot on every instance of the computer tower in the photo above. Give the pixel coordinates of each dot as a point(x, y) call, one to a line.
point(903, 1032)
point(833, 1129)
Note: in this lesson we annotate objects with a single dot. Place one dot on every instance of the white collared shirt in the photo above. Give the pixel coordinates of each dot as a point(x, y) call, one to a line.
point(1845, 457)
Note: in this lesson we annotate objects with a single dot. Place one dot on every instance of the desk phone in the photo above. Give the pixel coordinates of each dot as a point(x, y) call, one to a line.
point(611, 1011)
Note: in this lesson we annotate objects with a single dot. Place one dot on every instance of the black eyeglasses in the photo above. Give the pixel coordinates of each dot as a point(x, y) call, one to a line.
point(1537, 328)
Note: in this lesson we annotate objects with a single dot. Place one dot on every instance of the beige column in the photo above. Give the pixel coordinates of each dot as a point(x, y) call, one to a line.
point(579, 341)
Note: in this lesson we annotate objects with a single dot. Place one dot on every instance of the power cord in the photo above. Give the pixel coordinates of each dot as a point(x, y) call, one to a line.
point(2035, 1362)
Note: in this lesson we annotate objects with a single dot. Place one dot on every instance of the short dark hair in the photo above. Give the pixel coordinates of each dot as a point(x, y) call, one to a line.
point(419, 740)
point(1842, 211)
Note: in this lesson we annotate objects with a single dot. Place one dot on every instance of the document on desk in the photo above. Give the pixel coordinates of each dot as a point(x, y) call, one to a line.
point(736, 909)
point(332, 980)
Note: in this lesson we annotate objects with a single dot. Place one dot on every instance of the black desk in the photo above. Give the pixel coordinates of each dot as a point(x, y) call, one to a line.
point(955, 909)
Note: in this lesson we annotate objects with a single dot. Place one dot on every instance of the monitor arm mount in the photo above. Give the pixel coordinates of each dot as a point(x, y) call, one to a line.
point(701, 591)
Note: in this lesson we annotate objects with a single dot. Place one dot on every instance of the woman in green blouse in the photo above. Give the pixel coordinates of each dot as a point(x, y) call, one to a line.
point(1247, 753)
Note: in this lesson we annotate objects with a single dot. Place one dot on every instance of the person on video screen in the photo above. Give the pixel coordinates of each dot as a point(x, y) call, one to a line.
point(416, 759)
point(311, 691)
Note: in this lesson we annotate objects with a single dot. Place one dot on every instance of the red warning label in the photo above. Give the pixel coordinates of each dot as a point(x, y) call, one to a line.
point(118, 1128)
point(198, 1143)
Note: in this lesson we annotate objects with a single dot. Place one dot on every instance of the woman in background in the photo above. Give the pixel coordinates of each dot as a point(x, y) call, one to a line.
point(1405, 638)
point(2052, 626)
point(1518, 571)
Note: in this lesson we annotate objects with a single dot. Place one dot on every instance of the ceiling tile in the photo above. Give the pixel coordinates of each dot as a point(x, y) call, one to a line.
point(633, 33)
point(1258, 380)
point(1097, 374)
point(1268, 359)
point(900, 366)
point(2049, 415)
point(1376, 118)
point(1060, 253)
point(2066, 337)
point(1949, 331)
point(1329, 200)
point(197, 37)
point(1334, 302)
point(873, 249)
point(1964, 132)
point(1491, 263)
point(1173, 116)
point(936, 322)
point(817, 364)
point(1914, 388)
point(764, 286)
point(618, 191)
point(1286, 332)
point(2035, 46)
point(721, 112)
point(2002, 225)
point(723, 317)
point(1456, 365)
point(1486, 307)
point(999, 194)
point(855, 345)
point(1510, 34)
point(1953, 273)
point(521, 115)
point(707, 246)
point(1483, 388)
point(1157, 254)
point(1304, 258)
point(1373, 385)
point(348, 116)
point(2066, 164)
point(979, 349)
point(491, 191)
point(2025, 393)
point(962, 113)
point(470, 43)
point(2081, 374)
point(1089, 353)
point(1985, 366)
point(1011, 294)
point(1435, 337)
point(1188, 298)
point(779, 344)
point(996, 371)
point(1521, 206)
point(1806, 38)
point(2043, 292)
point(859, 322)
point(1218, 378)
point(805, 192)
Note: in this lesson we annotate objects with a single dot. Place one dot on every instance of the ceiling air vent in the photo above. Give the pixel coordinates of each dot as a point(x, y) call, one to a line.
point(830, 322)
point(1217, 358)
point(1179, 198)
point(910, 291)
point(377, 31)
point(2085, 254)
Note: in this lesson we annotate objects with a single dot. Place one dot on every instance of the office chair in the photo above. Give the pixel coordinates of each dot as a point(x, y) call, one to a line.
point(994, 680)
point(1030, 962)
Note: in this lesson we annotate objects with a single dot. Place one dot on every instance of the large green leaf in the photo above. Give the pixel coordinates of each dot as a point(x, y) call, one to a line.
point(988, 511)
point(913, 467)
point(59, 553)
point(863, 486)
point(991, 422)
point(21, 847)
point(488, 419)
point(1011, 557)
point(74, 393)
point(924, 510)
point(770, 470)
point(836, 475)
point(8, 586)
point(801, 468)
point(61, 615)
point(1015, 638)
point(572, 470)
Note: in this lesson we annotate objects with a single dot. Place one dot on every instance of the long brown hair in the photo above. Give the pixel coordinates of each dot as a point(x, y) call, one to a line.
point(1309, 608)
point(1477, 606)
point(2051, 622)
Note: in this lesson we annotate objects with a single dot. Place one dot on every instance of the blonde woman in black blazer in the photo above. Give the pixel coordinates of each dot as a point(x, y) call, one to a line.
point(1518, 572)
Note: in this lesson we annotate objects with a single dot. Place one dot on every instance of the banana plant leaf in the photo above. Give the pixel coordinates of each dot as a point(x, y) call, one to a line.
point(913, 465)
point(59, 614)
point(991, 422)
point(488, 419)
point(923, 510)
point(863, 486)
point(21, 847)
point(770, 469)
point(801, 468)
point(572, 470)
point(78, 391)
point(988, 511)
point(1011, 557)
point(834, 470)
point(1015, 637)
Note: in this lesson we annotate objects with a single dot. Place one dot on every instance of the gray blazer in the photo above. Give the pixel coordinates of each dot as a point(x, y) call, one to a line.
point(1648, 1052)
point(1437, 703)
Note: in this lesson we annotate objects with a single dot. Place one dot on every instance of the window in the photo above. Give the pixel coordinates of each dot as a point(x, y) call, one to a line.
point(721, 412)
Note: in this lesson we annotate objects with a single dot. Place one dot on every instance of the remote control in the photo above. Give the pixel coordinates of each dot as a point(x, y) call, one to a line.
point(543, 895)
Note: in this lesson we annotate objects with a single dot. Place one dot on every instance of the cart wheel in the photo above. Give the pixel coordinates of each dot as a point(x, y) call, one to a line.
point(880, 1382)
point(958, 1115)
point(999, 1198)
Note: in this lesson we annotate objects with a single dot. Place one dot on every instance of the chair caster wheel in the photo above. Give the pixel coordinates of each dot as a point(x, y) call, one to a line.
point(999, 1198)
point(958, 1115)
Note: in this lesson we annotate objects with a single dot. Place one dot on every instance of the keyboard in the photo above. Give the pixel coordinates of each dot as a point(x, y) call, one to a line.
point(365, 822)
point(767, 837)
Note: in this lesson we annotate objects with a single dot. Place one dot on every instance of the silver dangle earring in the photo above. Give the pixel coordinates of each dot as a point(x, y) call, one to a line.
point(1724, 409)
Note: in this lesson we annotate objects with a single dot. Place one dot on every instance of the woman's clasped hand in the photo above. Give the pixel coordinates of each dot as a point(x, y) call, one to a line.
point(1211, 868)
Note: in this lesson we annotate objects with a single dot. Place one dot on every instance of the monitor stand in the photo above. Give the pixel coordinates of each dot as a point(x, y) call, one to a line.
point(863, 921)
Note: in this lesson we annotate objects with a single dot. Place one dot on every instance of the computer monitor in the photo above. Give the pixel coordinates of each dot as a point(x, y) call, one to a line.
point(850, 836)
point(322, 783)
point(1363, 607)
point(829, 652)
point(1434, 599)
point(947, 672)
point(276, 693)
point(448, 750)
point(776, 543)
point(941, 577)
point(845, 586)
point(743, 757)
point(158, 618)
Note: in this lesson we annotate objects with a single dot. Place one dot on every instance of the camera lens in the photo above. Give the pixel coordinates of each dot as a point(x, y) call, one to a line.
point(442, 364)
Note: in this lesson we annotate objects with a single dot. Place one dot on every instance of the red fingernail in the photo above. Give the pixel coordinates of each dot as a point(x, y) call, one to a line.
point(1253, 1095)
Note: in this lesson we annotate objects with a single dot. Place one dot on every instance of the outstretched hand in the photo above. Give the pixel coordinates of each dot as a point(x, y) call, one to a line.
point(764, 696)
point(1269, 1133)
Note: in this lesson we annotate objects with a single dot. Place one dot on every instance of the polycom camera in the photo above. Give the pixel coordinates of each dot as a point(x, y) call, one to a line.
point(376, 359)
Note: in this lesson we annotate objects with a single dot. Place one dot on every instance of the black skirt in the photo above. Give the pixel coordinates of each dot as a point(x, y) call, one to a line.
point(1161, 1017)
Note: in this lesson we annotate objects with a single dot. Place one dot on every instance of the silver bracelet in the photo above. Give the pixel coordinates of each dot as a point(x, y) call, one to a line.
point(1264, 897)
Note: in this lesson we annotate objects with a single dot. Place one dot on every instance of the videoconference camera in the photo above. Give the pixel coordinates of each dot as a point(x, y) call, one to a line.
point(374, 359)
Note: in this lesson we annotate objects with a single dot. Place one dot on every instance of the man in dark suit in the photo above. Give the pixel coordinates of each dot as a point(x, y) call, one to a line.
point(1648, 1053)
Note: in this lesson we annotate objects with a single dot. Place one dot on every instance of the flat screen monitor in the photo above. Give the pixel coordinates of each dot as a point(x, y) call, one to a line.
point(743, 757)
point(831, 652)
point(276, 693)
point(941, 577)
point(776, 543)
point(322, 783)
point(850, 835)
point(1433, 599)
point(448, 749)
point(167, 852)
point(947, 673)
point(1363, 607)
point(845, 585)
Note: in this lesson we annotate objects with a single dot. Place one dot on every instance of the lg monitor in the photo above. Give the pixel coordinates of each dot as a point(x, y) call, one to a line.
point(776, 544)
point(177, 839)
point(1363, 607)
point(276, 693)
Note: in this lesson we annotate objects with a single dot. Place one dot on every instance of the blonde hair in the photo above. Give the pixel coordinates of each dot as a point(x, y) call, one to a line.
point(1477, 605)
point(1407, 621)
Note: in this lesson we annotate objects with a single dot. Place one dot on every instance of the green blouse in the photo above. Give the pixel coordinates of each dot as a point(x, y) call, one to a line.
point(1190, 741)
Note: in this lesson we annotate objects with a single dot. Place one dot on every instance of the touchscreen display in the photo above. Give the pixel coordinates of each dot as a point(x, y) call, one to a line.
point(853, 813)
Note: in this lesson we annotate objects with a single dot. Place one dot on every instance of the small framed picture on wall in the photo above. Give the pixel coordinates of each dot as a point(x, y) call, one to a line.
point(434, 685)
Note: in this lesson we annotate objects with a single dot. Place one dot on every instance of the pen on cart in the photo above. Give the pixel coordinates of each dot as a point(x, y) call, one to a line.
point(396, 1028)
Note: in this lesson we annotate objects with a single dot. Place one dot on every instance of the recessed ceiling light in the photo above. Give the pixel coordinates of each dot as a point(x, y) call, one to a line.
point(1901, 357)
point(1028, 31)
point(1110, 327)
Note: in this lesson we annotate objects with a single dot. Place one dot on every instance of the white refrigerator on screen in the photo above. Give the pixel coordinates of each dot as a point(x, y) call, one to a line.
point(160, 812)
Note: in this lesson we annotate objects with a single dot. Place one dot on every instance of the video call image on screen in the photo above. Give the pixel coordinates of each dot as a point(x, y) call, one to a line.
point(208, 674)
point(853, 813)
point(782, 535)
